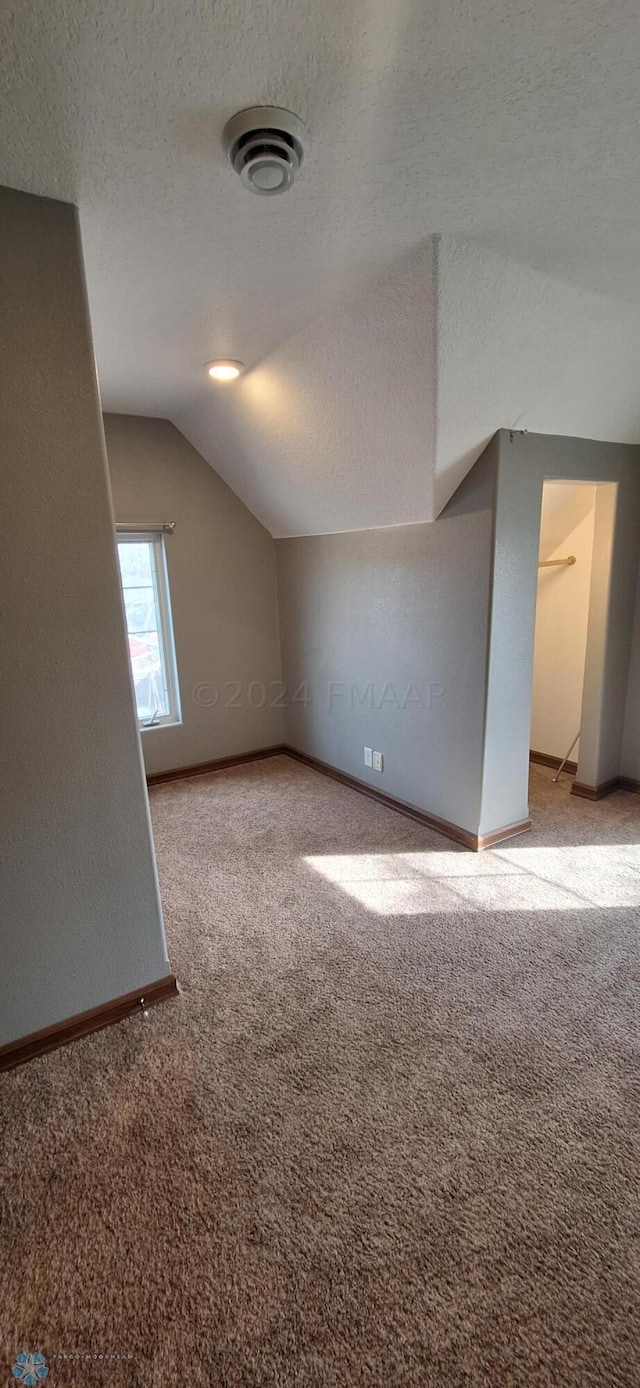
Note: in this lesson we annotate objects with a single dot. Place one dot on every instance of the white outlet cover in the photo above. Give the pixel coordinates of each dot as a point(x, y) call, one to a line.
point(378, 761)
point(368, 756)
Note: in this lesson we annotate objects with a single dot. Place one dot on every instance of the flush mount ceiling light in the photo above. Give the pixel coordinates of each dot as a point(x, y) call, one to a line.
point(266, 146)
point(223, 369)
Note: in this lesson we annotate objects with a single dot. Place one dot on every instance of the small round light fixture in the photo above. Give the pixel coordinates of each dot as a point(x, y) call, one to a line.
point(223, 369)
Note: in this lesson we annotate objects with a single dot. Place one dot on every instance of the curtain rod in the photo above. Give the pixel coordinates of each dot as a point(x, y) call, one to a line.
point(551, 563)
point(134, 527)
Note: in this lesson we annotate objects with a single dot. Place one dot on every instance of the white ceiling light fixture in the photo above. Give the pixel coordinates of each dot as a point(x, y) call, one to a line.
point(266, 146)
point(224, 369)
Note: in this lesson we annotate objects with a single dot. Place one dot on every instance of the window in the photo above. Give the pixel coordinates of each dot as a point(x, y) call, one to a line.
point(145, 590)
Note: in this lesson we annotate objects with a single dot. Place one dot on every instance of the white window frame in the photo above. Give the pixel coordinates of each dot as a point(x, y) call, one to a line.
point(163, 601)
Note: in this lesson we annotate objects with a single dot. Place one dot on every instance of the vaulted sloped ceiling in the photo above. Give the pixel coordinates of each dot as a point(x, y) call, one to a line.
point(335, 429)
point(376, 366)
point(522, 350)
point(374, 413)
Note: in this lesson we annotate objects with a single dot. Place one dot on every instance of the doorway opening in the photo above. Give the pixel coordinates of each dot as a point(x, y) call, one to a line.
point(572, 616)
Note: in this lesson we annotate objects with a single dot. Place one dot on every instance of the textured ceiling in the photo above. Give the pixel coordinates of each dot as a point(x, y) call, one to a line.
point(373, 413)
point(521, 350)
point(512, 125)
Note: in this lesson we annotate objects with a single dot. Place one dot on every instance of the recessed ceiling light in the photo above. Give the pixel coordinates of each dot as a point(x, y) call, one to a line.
point(224, 369)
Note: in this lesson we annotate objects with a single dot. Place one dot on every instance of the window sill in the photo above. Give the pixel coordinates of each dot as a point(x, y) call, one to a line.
point(154, 727)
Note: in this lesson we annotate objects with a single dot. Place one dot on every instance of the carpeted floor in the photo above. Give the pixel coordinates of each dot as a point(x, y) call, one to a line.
point(390, 1133)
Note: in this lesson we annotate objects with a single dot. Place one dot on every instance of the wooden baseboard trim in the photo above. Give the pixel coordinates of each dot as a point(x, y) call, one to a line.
point(596, 792)
point(204, 768)
point(17, 1052)
point(627, 783)
point(546, 759)
point(605, 788)
point(430, 821)
point(499, 835)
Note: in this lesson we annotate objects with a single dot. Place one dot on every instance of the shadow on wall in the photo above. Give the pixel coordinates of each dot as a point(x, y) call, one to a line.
point(562, 615)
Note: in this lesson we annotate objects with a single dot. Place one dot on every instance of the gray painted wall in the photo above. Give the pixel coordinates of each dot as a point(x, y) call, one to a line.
point(81, 913)
point(525, 460)
point(222, 578)
point(452, 604)
point(399, 610)
point(630, 760)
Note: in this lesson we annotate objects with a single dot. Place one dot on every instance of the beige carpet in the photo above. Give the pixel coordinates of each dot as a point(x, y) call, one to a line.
point(390, 1133)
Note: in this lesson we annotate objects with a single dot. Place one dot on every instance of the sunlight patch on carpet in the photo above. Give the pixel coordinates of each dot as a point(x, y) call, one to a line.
point(516, 879)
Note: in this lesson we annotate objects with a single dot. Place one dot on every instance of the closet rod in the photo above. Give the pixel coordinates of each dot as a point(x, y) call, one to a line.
point(551, 563)
point(167, 527)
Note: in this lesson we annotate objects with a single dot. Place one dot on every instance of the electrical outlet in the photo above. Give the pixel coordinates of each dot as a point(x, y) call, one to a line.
point(368, 756)
point(378, 761)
